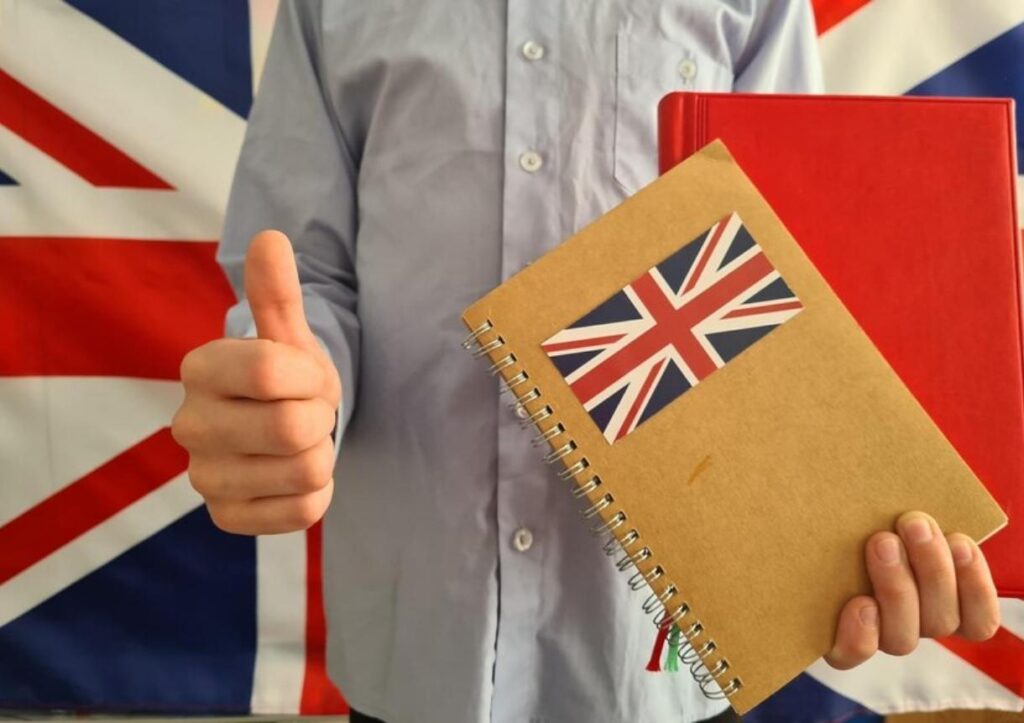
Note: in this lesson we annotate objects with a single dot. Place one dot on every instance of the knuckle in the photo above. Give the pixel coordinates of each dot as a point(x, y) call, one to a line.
point(195, 365)
point(941, 626)
point(290, 427)
point(306, 511)
point(188, 370)
point(864, 649)
point(329, 418)
point(312, 470)
point(978, 630)
point(209, 478)
point(900, 645)
point(198, 478)
point(333, 386)
point(933, 562)
point(264, 370)
point(183, 428)
point(858, 652)
point(851, 653)
point(226, 518)
point(898, 590)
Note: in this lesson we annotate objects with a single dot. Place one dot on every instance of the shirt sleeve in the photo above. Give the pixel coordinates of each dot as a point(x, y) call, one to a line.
point(781, 53)
point(297, 173)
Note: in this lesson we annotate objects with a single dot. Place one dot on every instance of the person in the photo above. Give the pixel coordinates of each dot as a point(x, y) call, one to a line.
point(412, 156)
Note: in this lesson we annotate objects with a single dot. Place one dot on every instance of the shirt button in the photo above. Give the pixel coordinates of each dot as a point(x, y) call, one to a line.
point(530, 161)
point(532, 50)
point(687, 69)
point(522, 540)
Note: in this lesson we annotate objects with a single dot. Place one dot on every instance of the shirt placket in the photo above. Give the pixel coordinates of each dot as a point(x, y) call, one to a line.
point(530, 226)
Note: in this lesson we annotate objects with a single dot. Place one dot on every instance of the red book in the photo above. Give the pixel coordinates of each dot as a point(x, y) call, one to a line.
point(907, 206)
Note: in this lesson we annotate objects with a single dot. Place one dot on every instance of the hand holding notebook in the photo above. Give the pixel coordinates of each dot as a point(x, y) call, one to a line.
point(922, 586)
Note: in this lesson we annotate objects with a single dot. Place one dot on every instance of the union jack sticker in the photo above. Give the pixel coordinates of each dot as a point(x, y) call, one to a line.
point(670, 328)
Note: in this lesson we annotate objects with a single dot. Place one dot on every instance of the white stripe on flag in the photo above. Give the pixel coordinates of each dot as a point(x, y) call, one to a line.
point(54, 430)
point(162, 121)
point(97, 547)
point(25, 446)
point(1013, 615)
point(50, 200)
point(931, 678)
point(123, 213)
point(889, 46)
point(281, 623)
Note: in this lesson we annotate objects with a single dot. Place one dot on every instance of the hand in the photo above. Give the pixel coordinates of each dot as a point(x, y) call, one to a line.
point(925, 584)
point(258, 413)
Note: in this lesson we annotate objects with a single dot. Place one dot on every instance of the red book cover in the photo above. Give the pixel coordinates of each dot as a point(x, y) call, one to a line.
point(907, 206)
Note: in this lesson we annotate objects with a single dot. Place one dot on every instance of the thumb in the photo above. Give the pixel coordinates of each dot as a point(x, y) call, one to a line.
point(272, 287)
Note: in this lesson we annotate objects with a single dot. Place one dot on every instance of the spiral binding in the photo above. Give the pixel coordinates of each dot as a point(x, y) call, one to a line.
point(622, 538)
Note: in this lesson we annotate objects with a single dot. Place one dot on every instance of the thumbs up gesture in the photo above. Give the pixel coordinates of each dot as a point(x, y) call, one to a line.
point(258, 413)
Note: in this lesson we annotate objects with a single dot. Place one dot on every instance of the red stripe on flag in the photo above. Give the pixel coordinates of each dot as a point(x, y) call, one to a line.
point(828, 13)
point(638, 402)
point(647, 290)
point(1000, 658)
point(106, 307)
point(64, 139)
point(582, 343)
point(319, 695)
point(86, 502)
point(763, 309)
point(709, 249)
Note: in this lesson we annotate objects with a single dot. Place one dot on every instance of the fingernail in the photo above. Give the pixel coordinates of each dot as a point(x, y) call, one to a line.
point(869, 615)
point(888, 550)
point(963, 552)
point(918, 530)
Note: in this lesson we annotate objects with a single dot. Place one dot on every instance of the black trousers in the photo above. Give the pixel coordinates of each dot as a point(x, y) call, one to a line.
point(726, 716)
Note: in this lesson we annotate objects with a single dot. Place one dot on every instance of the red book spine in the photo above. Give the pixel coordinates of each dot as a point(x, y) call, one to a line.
point(677, 129)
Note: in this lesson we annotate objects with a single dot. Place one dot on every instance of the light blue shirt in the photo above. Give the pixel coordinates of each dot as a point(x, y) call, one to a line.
point(417, 154)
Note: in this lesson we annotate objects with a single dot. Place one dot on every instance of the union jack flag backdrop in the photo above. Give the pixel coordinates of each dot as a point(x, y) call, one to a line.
point(120, 123)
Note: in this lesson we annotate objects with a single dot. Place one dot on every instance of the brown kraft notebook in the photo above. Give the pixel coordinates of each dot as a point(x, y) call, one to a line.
point(729, 428)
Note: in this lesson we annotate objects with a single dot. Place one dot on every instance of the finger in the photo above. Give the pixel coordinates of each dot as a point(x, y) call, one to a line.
point(979, 605)
point(932, 565)
point(896, 593)
point(856, 634)
point(272, 288)
point(221, 426)
point(254, 369)
point(271, 515)
point(242, 477)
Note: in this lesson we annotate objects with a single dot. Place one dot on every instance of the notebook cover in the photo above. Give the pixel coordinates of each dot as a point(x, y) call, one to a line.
point(906, 206)
point(756, 488)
